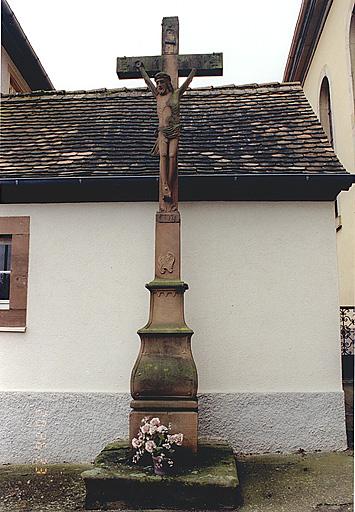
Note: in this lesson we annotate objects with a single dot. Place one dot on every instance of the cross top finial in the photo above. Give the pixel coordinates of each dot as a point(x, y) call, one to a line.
point(170, 36)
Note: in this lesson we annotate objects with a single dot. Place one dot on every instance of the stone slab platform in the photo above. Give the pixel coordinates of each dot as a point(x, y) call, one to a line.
point(208, 481)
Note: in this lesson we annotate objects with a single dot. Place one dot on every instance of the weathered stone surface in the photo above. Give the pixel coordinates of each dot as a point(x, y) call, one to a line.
point(210, 64)
point(209, 480)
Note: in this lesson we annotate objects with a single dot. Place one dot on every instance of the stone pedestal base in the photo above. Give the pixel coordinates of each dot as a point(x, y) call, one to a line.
point(182, 421)
point(210, 483)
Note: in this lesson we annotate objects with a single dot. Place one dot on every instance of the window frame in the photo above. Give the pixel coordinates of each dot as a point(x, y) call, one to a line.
point(5, 303)
point(14, 317)
point(325, 109)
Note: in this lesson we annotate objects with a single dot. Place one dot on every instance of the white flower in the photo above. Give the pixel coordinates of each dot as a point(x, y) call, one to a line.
point(167, 446)
point(162, 429)
point(150, 446)
point(176, 438)
point(155, 422)
point(179, 439)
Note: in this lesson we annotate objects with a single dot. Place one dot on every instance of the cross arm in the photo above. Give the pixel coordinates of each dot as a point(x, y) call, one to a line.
point(187, 82)
point(206, 64)
point(146, 78)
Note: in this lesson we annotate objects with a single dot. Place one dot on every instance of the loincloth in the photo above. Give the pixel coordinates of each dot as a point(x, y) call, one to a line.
point(169, 133)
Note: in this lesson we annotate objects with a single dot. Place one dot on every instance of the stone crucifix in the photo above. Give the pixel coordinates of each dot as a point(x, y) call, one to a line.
point(166, 146)
point(166, 70)
point(164, 377)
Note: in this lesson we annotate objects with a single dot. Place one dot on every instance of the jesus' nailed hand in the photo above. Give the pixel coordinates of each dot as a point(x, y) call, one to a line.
point(168, 108)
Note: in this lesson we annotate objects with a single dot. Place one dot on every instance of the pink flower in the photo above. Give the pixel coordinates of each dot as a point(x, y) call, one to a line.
point(136, 443)
point(145, 428)
point(155, 422)
point(152, 429)
point(150, 446)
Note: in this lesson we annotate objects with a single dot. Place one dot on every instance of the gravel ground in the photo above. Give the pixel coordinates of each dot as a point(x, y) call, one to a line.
point(269, 483)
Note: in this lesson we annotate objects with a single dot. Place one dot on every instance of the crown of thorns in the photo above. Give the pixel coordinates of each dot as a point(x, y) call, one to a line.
point(161, 74)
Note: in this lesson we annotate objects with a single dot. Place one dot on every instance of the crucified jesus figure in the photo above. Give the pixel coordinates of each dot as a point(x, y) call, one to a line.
point(168, 108)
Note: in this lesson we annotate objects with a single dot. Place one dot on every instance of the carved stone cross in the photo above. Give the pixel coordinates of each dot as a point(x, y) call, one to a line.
point(170, 61)
point(164, 377)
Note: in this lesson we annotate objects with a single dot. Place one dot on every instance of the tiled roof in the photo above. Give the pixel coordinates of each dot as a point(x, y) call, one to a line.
point(253, 129)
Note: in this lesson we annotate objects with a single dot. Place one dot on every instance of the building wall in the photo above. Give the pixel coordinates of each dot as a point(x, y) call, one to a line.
point(332, 59)
point(8, 70)
point(262, 301)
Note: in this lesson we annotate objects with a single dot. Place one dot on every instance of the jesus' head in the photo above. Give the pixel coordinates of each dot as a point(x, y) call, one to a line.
point(163, 83)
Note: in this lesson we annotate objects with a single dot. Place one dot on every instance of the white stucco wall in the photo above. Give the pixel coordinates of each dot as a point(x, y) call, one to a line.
point(262, 301)
point(332, 59)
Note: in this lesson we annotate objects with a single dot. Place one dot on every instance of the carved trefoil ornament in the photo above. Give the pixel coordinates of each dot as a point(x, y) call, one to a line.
point(166, 263)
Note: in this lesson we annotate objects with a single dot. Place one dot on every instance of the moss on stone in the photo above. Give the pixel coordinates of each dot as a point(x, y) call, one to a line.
point(155, 371)
point(161, 284)
point(208, 478)
point(167, 329)
point(302, 482)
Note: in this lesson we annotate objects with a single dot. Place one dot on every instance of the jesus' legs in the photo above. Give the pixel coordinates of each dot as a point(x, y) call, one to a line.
point(163, 178)
point(163, 152)
point(173, 145)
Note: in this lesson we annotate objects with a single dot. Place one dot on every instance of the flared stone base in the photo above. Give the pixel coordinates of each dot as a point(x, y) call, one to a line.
point(207, 481)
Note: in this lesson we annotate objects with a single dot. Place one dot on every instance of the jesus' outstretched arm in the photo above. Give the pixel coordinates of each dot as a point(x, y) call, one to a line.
point(146, 78)
point(187, 82)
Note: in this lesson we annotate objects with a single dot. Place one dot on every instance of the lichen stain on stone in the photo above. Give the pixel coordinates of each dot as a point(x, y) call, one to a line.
point(155, 373)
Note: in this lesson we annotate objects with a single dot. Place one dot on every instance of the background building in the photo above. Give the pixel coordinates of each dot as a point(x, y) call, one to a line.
point(21, 70)
point(322, 58)
point(258, 252)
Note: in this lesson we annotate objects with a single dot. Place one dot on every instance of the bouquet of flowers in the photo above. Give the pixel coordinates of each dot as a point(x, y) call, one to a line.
point(155, 439)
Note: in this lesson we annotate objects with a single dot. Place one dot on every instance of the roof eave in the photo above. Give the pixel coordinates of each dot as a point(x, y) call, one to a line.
point(311, 19)
point(21, 52)
point(227, 187)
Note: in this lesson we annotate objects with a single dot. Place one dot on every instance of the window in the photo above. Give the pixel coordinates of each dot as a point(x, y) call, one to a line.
point(5, 271)
point(325, 115)
point(14, 248)
point(14, 86)
point(17, 82)
point(325, 111)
